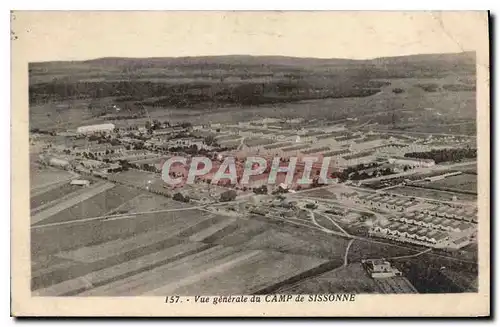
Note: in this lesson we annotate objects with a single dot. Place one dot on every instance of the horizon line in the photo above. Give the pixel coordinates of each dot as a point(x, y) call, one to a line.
point(256, 56)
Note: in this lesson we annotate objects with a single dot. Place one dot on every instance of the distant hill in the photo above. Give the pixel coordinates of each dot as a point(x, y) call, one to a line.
point(235, 79)
point(438, 61)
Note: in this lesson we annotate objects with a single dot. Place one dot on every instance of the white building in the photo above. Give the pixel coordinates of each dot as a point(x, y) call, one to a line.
point(56, 162)
point(80, 182)
point(416, 162)
point(90, 129)
point(380, 268)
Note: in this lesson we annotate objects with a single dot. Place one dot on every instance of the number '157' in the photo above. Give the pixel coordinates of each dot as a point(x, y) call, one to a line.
point(172, 299)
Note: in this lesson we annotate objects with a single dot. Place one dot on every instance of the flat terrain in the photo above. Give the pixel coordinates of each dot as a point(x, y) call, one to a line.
point(125, 241)
point(472, 169)
point(350, 279)
point(459, 183)
point(116, 240)
point(188, 252)
point(101, 200)
point(41, 178)
point(53, 194)
point(432, 194)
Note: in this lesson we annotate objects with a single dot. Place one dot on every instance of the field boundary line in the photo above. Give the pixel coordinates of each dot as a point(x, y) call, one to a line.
point(114, 217)
point(70, 202)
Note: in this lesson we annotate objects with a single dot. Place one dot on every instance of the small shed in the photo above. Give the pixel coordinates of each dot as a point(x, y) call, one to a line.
point(80, 182)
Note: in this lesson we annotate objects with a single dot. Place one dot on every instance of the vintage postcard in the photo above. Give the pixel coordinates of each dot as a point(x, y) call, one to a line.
point(250, 164)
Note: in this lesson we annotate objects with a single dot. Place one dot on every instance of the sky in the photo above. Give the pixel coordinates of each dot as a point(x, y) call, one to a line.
point(48, 36)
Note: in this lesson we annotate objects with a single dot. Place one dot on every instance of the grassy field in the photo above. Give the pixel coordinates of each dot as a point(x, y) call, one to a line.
point(459, 183)
point(98, 205)
point(147, 202)
point(108, 254)
point(257, 271)
point(186, 252)
point(79, 234)
point(152, 161)
point(472, 169)
point(321, 193)
point(349, 279)
point(325, 222)
point(136, 178)
point(368, 250)
point(193, 251)
point(46, 176)
point(432, 194)
point(53, 195)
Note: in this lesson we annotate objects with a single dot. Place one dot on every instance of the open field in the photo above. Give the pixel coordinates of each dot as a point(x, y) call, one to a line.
point(152, 161)
point(323, 193)
point(184, 252)
point(146, 201)
point(41, 178)
point(472, 169)
point(52, 195)
point(459, 183)
point(367, 250)
point(136, 178)
point(86, 233)
point(106, 198)
point(257, 271)
point(432, 194)
point(350, 279)
point(193, 251)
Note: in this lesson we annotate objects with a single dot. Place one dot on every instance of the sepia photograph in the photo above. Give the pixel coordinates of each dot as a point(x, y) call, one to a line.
point(285, 159)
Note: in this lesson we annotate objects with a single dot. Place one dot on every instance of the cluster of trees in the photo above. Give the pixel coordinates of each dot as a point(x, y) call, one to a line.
point(88, 155)
point(356, 176)
point(148, 167)
point(192, 150)
point(209, 140)
point(280, 190)
point(181, 198)
point(427, 277)
point(41, 131)
point(227, 196)
point(126, 165)
point(428, 87)
point(155, 124)
point(358, 173)
point(459, 87)
point(260, 190)
point(190, 94)
point(445, 155)
point(124, 117)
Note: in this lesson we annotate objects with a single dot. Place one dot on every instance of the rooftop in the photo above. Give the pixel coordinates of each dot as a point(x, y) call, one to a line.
point(277, 145)
point(359, 155)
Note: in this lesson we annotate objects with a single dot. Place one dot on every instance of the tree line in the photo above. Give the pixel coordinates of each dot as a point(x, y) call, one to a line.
point(445, 155)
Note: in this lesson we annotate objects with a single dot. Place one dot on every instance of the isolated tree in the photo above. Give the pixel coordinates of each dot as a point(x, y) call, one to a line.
point(178, 197)
point(229, 195)
point(311, 206)
point(260, 190)
point(209, 140)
